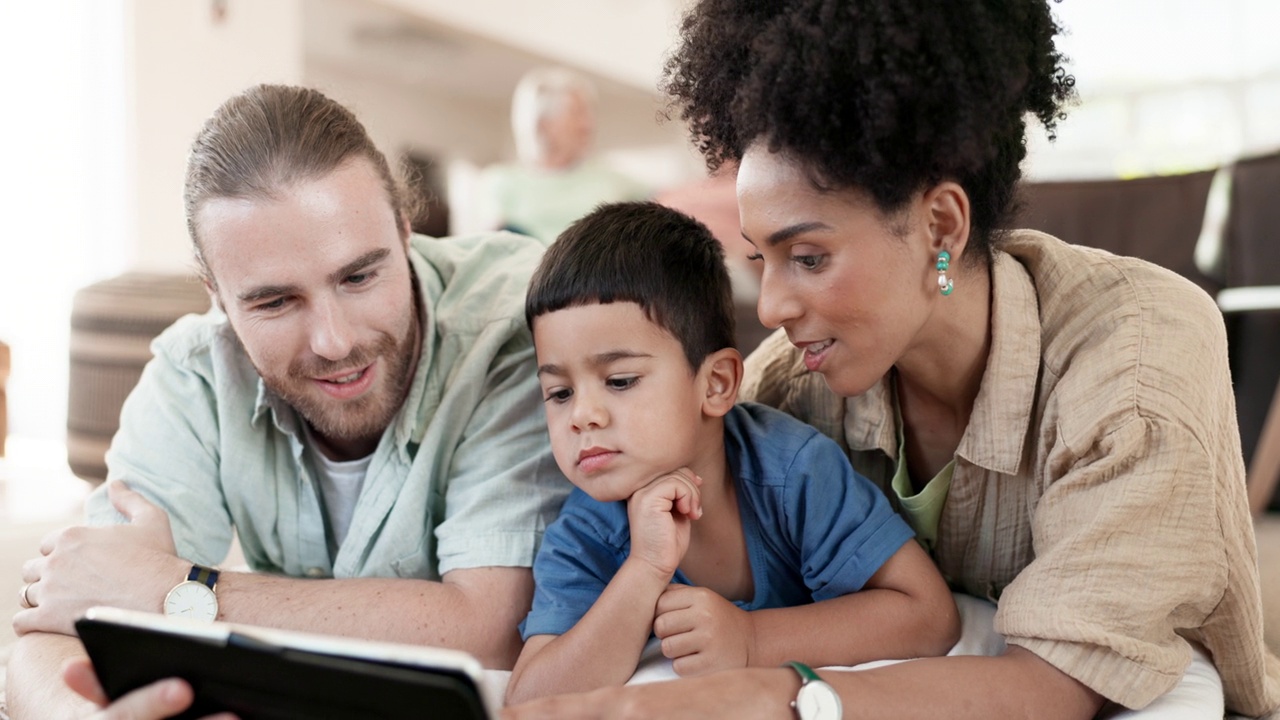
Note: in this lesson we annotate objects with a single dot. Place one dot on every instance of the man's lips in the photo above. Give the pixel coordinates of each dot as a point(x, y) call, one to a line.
point(595, 458)
point(348, 384)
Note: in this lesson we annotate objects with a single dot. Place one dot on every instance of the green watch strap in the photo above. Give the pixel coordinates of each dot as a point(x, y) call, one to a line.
point(806, 673)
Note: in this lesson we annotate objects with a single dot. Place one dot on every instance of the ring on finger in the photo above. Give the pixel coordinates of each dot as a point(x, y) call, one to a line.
point(26, 601)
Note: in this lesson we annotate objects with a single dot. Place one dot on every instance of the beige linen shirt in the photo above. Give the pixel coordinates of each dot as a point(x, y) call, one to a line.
point(1098, 493)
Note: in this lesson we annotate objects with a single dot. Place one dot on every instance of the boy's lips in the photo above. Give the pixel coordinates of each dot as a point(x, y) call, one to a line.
point(595, 458)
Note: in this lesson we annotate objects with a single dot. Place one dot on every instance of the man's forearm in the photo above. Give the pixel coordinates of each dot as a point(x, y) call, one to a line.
point(476, 610)
point(34, 678)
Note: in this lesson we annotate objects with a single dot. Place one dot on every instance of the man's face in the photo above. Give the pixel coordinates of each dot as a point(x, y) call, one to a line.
point(317, 286)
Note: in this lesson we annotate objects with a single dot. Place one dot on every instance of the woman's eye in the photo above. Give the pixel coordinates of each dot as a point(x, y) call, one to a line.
point(559, 395)
point(808, 262)
point(755, 256)
point(622, 383)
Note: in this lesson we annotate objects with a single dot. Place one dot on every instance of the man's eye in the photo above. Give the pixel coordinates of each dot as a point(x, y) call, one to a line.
point(622, 383)
point(359, 278)
point(271, 305)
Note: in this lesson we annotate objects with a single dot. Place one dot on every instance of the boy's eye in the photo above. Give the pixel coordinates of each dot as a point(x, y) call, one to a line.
point(559, 395)
point(622, 383)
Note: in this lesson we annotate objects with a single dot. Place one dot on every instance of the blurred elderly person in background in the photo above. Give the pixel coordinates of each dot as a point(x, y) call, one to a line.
point(556, 180)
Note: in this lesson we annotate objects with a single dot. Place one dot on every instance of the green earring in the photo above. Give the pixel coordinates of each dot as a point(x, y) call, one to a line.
point(945, 286)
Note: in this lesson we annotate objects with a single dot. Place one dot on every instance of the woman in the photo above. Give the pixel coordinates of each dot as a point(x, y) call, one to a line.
point(1055, 421)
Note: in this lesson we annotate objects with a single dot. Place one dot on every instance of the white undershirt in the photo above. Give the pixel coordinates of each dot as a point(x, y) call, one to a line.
point(340, 483)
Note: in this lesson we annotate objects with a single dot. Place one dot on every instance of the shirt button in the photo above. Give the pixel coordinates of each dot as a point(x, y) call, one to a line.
point(315, 572)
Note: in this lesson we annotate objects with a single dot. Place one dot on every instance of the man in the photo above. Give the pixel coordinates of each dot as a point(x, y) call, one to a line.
point(557, 180)
point(363, 408)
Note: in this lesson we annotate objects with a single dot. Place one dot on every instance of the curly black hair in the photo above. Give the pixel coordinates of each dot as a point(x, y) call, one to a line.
point(886, 96)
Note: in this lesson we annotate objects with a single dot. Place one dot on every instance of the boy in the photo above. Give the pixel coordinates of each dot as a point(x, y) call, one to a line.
point(734, 533)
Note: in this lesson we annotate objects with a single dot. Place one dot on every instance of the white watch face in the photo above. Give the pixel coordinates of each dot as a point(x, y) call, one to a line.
point(191, 600)
point(818, 701)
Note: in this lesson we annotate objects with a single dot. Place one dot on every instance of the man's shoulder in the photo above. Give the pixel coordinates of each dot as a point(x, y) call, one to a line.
point(470, 282)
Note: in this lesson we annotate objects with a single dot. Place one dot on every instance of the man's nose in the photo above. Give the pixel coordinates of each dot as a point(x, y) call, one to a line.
point(332, 335)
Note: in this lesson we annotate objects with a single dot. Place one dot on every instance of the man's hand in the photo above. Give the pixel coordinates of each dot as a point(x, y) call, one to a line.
point(128, 566)
point(660, 514)
point(160, 699)
point(702, 632)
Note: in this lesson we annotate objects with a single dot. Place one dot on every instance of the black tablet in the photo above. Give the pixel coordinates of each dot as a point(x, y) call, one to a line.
point(261, 673)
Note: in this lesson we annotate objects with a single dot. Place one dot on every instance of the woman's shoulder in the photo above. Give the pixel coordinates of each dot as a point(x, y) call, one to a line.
point(1130, 335)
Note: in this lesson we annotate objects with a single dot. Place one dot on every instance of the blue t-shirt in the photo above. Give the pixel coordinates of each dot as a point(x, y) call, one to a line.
point(814, 528)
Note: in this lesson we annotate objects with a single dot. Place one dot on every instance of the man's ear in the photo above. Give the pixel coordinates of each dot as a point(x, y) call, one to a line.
point(213, 293)
point(722, 375)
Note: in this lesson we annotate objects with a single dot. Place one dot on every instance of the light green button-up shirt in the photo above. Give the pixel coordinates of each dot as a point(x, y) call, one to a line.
point(462, 478)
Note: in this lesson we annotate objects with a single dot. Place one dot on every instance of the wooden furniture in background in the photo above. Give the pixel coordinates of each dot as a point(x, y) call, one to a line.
point(112, 325)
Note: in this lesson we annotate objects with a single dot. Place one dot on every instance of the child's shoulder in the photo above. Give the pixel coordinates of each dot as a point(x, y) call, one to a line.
point(755, 418)
point(766, 438)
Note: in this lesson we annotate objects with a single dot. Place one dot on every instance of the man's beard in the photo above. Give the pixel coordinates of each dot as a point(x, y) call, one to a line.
point(363, 418)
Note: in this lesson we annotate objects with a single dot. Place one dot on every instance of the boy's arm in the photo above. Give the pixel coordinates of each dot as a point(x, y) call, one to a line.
point(602, 649)
point(904, 611)
point(604, 645)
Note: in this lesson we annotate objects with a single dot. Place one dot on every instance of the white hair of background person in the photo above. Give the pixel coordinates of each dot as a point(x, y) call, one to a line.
point(543, 93)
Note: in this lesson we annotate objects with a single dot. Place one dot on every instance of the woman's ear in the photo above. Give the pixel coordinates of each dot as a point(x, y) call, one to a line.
point(722, 373)
point(947, 205)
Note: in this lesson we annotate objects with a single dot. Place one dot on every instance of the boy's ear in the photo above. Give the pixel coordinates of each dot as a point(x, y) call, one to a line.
point(722, 371)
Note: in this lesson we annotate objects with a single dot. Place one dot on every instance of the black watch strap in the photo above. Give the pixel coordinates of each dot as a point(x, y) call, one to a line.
point(204, 575)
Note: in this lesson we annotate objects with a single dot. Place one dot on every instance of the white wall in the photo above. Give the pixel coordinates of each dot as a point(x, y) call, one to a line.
point(184, 62)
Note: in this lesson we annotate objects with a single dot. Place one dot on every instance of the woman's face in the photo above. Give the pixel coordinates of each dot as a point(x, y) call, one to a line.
point(852, 288)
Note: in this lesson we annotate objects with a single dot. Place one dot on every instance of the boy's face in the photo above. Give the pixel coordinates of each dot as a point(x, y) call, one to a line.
point(622, 404)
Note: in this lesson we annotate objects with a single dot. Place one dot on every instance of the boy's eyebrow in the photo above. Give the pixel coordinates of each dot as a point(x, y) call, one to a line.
point(601, 360)
point(269, 291)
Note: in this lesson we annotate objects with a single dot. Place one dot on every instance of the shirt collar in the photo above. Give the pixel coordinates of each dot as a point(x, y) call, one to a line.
point(997, 432)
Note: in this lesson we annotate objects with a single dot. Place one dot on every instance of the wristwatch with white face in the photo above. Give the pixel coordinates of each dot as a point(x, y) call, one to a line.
point(816, 700)
point(194, 598)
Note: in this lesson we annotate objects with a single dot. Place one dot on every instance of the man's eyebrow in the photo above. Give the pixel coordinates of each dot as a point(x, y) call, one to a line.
point(266, 291)
point(351, 268)
point(360, 263)
point(786, 233)
point(602, 360)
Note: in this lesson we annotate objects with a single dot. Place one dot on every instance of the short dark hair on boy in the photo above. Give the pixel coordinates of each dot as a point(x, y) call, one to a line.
point(642, 252)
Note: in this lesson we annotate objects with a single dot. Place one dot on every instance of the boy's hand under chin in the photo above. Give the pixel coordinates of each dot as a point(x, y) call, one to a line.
point(660, 514)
